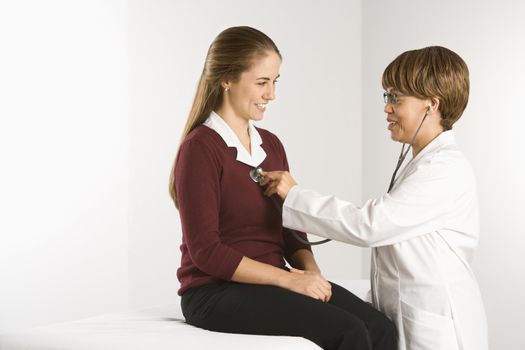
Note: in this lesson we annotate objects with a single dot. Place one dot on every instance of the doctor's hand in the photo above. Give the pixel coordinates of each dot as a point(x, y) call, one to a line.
point(309, 283)
point(279, 182)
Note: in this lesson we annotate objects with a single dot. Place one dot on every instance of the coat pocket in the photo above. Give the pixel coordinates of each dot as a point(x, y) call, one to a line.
point(425, 330)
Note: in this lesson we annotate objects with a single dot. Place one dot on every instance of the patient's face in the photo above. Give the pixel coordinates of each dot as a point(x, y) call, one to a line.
point(249, 96)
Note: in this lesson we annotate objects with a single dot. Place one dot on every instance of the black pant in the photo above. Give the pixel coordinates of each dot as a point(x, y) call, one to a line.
point(345, 322)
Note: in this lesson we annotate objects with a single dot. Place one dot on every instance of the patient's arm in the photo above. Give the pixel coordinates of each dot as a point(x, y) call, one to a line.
point(309, 284)
point(304, 260)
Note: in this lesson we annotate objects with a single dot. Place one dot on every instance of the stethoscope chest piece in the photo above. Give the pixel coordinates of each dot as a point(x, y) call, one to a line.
point(256, 174)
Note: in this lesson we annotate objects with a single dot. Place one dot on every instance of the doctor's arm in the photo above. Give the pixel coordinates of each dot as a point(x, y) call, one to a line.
point(417, 206)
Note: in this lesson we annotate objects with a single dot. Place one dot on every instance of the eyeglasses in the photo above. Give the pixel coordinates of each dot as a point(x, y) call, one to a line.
point(392, 97)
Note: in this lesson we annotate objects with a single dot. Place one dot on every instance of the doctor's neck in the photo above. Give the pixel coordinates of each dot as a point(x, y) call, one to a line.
point(429, 128)
point(424, 138)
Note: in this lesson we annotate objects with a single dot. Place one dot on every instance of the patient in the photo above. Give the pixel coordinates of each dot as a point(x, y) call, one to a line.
point(232, 274)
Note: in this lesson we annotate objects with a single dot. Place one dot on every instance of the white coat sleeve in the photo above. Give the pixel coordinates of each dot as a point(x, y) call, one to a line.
point(419, 205)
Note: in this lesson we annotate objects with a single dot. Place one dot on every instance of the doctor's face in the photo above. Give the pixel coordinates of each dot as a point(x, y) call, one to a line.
point(404, 114)
point(249, 96)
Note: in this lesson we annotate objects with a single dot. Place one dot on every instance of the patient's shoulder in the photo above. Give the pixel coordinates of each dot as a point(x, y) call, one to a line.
point(201, 133)
point(269, 138)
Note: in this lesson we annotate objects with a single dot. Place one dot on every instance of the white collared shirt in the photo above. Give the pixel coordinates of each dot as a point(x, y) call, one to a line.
point(216, 123)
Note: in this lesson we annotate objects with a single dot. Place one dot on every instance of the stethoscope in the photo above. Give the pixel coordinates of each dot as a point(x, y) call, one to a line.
point(402, 156)
point(403, 153)
point(256, 175)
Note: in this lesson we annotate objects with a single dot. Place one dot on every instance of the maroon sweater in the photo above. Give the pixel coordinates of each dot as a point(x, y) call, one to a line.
point(223, 212)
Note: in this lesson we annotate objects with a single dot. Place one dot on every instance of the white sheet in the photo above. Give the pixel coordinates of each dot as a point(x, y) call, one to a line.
point(160, 328)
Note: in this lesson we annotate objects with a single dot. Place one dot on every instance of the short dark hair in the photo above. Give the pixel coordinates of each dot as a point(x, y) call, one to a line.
point(432, 72)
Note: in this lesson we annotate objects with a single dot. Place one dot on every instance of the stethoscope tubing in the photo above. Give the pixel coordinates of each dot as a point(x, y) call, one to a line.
point(403, 153)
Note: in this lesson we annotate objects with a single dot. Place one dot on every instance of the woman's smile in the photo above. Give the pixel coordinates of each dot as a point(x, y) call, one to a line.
point(261, 106)
point(391, 124)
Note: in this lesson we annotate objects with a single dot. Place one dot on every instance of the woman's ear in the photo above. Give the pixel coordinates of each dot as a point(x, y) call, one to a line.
point(225, 84)
point(434, 104)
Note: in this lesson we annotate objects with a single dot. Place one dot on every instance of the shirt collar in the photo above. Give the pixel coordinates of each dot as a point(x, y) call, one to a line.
point(216, 123)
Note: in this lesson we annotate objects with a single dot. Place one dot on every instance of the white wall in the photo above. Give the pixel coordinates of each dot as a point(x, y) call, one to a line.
point(66, 165)
point(489, 35)
point(321, 46)
point(63, 160)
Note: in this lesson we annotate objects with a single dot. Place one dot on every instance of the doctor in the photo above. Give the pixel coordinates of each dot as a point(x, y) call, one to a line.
point(425, 230)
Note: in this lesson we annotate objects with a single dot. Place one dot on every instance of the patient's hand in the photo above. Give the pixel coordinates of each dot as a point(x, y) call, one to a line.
point(279, 182)
point(309, 283)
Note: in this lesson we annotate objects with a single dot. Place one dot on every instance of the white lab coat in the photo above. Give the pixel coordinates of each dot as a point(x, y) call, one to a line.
point(423, 234)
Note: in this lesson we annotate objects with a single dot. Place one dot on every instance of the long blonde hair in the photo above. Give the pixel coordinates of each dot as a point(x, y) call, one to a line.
point(230, 54)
